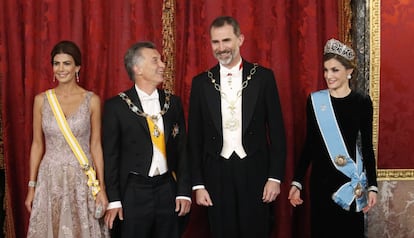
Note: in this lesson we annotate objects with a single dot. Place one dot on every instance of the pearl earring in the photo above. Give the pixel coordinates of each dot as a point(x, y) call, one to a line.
point(349, 76)
point(77, 77)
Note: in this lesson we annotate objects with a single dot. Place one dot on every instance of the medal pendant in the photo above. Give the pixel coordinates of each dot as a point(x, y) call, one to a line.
point(156, 132)
point(358, 191)
point(232, 124)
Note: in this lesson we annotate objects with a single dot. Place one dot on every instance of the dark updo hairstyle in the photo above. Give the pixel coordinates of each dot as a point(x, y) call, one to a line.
point(67, 47)
point(346, 63)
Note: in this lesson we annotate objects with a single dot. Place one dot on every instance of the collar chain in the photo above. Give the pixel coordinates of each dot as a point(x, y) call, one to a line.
point(244, 83)
point(140, 112)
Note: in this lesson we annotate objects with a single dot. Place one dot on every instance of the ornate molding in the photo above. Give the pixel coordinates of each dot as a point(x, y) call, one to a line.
point(375, 54)
point(395, 174)
point(168, 42)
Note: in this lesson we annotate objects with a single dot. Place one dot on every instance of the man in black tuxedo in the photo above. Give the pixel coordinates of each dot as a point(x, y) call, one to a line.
point(236, 138)
point(144, 142)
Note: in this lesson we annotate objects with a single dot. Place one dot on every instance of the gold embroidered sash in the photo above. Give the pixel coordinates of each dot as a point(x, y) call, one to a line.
point(73, 142)
point(157, 137)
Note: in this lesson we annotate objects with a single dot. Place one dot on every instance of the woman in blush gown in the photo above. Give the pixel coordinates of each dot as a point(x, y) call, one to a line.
point(60, 202)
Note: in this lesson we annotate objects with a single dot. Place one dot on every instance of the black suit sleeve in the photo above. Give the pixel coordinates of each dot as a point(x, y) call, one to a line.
point(195, 132)
point(111, 139)
point(276, 129)
point(183, 168)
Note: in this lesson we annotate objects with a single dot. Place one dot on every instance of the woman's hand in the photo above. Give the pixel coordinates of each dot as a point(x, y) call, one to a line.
point(29, 199)
point(372, 200)
point(101, 200)
point(294, 196)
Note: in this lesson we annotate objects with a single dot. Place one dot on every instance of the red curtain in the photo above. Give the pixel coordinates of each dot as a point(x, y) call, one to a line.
point(287, 36)
point(396, 105)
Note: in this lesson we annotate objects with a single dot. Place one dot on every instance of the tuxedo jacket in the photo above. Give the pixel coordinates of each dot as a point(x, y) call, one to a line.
point(127, 145)
point(263, 135)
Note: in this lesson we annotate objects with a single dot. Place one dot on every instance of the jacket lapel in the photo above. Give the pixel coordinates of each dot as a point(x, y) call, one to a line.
point(166, 117)
point(249, 96)
point(214, 98)
point(133, 95)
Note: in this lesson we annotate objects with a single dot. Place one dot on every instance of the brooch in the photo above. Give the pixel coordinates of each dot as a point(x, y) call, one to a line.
point(358, 191)
point(340, 160)
point(175, 130)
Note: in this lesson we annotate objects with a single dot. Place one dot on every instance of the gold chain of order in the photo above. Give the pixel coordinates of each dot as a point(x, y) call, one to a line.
point(141, 113)
point(244, 83)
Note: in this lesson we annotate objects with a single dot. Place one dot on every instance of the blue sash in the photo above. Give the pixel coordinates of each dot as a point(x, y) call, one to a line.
point(334, 142)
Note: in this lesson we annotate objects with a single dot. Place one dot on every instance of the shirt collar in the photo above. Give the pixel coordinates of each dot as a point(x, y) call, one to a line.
point(234, 70)
point(143, 96)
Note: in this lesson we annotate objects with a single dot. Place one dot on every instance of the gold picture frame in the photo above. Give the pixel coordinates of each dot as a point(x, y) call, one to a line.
point(375, 65)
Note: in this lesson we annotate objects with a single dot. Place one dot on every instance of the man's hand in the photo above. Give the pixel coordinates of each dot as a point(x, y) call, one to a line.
point(203, 198)
point(111, 214)
point(271, 191)
point(182, 206)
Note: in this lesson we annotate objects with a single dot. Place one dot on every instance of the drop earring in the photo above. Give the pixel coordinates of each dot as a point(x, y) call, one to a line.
point(54, 78)
point(77, 77)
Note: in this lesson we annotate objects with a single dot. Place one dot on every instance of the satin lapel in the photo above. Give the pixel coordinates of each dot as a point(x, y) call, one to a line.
point(213, 98)
point(166, 118)
point(249, 96)
point(133, 95)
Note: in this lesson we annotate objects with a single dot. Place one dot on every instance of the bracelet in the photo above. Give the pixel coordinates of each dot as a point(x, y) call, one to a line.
point(31, 184)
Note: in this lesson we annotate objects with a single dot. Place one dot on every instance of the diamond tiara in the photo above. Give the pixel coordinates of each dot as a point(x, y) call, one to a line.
point(336, 47)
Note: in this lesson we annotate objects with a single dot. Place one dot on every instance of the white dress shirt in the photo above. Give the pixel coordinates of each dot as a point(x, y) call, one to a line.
point(151, 105)
point(231, 89)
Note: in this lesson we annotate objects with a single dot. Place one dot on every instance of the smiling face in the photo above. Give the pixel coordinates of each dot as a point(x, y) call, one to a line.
point(336, 75)
point(150, 67)
point(64, 68)
point(226, 45)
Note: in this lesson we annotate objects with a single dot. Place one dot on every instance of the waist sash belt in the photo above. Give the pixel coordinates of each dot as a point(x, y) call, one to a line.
point(73, 142)
point(334, 142)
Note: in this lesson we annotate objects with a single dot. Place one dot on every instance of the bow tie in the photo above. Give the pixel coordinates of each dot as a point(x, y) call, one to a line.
point(231, 73)
point(149, 98)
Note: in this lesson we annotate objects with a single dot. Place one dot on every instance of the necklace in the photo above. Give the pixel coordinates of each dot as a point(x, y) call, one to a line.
point(153, 118)
point(232, 123)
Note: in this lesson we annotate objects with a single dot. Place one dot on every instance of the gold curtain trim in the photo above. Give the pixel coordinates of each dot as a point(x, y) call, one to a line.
point(345, 21)
point(168, 43)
